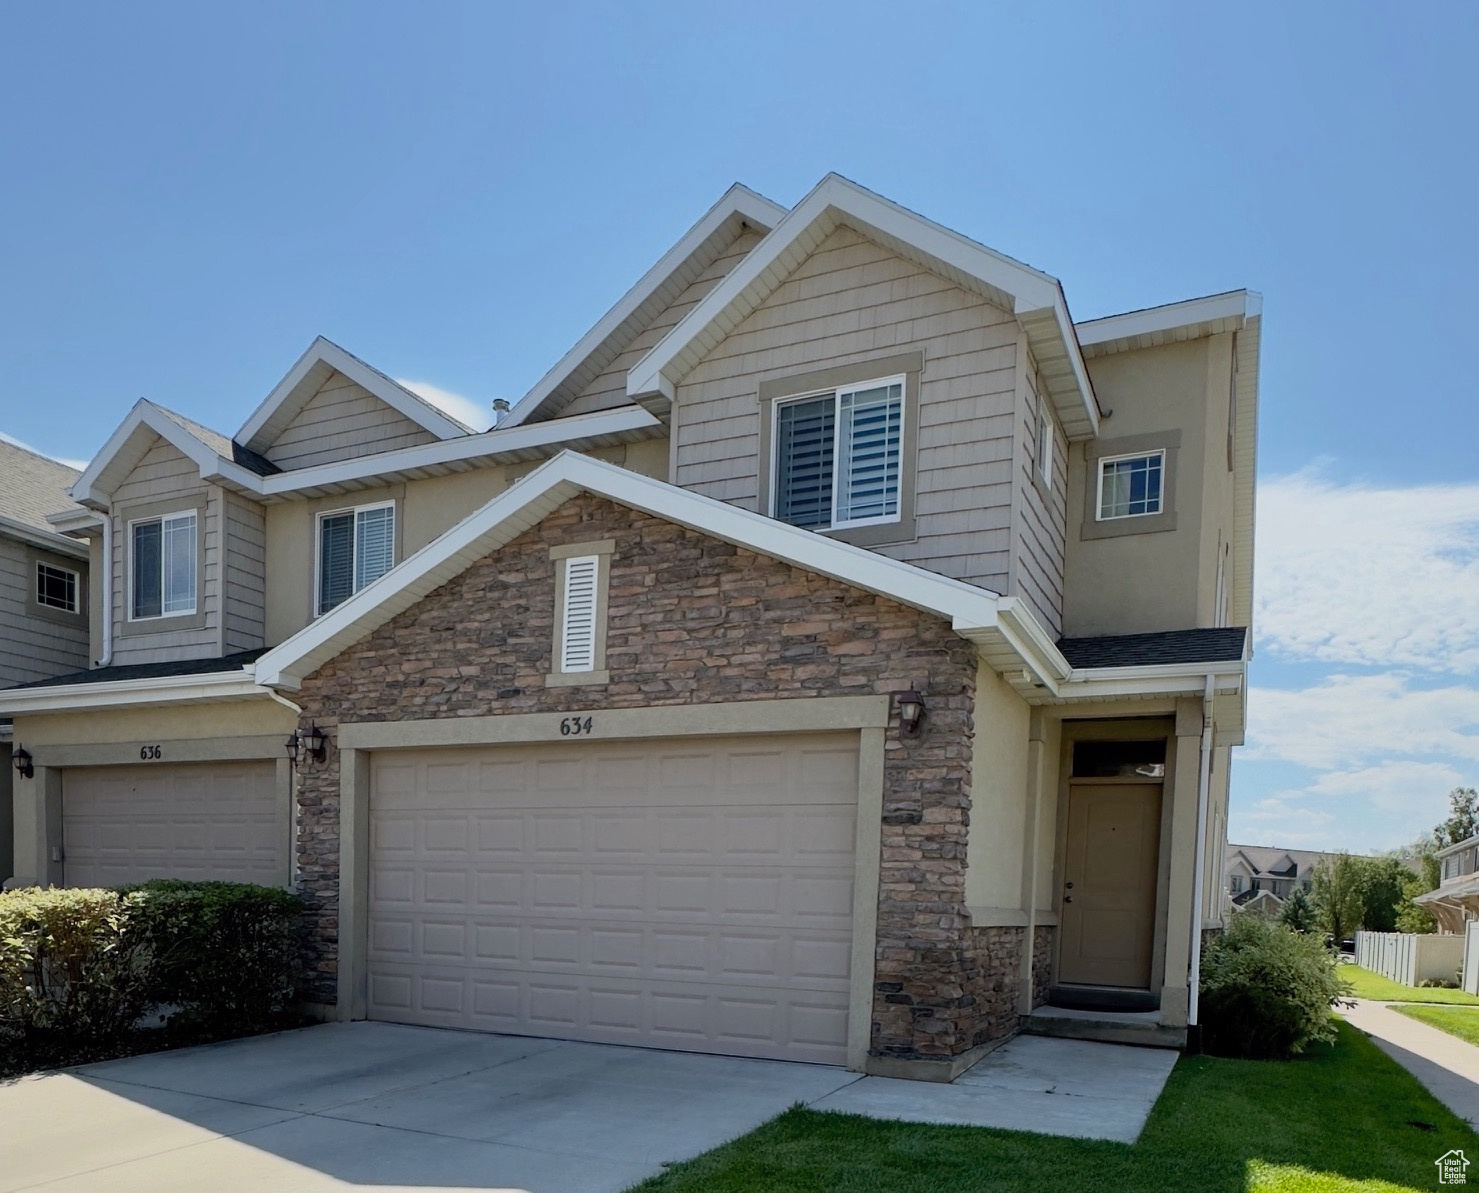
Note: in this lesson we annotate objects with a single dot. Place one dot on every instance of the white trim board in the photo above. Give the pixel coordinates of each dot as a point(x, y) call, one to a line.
point(693, 253)
point(1034, 297)
point(1171, 323)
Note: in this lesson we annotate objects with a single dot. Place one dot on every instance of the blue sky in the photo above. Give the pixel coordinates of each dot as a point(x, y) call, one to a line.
point(189, 194)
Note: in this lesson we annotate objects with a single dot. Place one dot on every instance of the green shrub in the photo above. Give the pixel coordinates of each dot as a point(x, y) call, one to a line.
point(1266, 991)
point(224, 953)
point(71, 967)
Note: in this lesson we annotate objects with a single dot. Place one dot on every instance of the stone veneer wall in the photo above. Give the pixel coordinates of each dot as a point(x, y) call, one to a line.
point(694, 620)
point(1042, 963)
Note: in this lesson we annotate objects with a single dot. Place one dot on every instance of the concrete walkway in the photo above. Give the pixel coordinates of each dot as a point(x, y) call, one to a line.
point(375, 1108)
point(1448, 1066)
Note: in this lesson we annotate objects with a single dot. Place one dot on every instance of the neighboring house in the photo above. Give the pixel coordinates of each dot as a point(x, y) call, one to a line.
point(835, 656)
point(1456, 901)
point(43, 593)
point(1260, 877)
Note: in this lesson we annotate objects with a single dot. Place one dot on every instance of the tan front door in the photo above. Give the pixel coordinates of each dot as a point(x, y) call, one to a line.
point(1109, 881)
point(173, 820)
point(693, 894)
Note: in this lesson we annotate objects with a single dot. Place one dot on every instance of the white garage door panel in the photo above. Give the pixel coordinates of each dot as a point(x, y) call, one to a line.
point(686, 895)
point(183, 820)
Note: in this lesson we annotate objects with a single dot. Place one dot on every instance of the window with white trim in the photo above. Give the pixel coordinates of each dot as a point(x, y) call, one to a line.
point(355, 548)
point(1131, 486)
point(162, 561)
point(56, 587)
point(578, 613)
point(839, 456)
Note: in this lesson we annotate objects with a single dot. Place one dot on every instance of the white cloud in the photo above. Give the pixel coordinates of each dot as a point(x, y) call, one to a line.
point(70, 463)
point(476, 415)
point(1349, 720)
point(1369, 575)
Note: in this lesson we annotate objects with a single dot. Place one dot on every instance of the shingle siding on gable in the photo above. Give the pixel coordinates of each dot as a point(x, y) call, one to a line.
point(343, 421)
point(166, 475)
point(1042, 519)
point(246, 579)
point(609, 389)
point(849, 301)
point(33, 647)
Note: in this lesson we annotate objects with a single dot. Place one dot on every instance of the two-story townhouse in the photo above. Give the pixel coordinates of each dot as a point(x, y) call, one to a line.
point(1455, 902)
point(836, 656)
point(43, 594)
point(1260, 877)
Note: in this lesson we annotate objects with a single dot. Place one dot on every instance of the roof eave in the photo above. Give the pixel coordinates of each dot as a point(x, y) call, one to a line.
point(132, 693)
point(46, 539)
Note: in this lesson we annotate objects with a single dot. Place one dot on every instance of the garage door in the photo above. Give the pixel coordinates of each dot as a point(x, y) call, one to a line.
point(691, 894)
point(172, 820)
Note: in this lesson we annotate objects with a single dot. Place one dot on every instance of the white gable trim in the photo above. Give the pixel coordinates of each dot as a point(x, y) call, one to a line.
point(306, 377)
point(1034, 297)
point(624, 321)
point(94, 488)
point(1172, 323)
point(995, 624)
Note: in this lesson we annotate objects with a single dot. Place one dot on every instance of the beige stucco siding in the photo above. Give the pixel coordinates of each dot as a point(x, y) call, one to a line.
point(34, 645)
point(609, 388)
point(999, 841)
point(166, 481)
point(340, 422)
point(1158, 579)
point(182, 722)
point(850, 301)
point(246, 567)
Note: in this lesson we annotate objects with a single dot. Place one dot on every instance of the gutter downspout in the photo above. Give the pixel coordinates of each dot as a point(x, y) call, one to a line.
point(1204, 784)
point(107, 656)
point(284, 701)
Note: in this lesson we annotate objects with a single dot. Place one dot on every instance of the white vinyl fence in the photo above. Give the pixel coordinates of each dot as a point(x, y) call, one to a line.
point(1471, 957)
point(1408, 958)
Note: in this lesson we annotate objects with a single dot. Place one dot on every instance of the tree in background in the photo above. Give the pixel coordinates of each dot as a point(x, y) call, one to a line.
point(1381, 881)
point(1412, 917)
point(1298, 912)
point(1463, 818)
point(1336, 888)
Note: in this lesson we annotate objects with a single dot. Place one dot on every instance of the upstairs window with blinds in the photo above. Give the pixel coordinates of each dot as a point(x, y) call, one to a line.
point(162, 565)
point(578, 614)
point(839, 456)
point(355, 548)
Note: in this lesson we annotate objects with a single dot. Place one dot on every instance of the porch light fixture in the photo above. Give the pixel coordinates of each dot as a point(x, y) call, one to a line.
point(23, 765)
point(911, 713)
point(312, 744)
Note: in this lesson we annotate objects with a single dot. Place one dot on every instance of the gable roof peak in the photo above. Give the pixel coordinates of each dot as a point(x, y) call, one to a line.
point(322, 359)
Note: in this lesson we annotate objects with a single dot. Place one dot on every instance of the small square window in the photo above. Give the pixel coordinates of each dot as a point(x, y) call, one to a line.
point(1131, 486)
point(56, 588)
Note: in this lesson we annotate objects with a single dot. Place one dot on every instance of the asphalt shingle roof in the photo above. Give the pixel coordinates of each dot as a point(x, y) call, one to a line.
point(32, 486)
point(223, 446)
point(1222, 644)
point(222, 664)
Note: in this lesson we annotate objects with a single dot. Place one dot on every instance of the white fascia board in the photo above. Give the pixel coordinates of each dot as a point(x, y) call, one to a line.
point(535, 496)
point(836, 200)
point(1189, 679)
point(125, 693)
point(1456, 846)
point(36, 537)
point(1234, 304)
point(146, 416)
point(75, 521)
point(500, 440)
point(393, 394)
point(738, 200)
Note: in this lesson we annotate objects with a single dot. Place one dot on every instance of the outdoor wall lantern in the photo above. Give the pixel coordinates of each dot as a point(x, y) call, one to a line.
point(911, 713)
point(23, 765)
point(311, 744)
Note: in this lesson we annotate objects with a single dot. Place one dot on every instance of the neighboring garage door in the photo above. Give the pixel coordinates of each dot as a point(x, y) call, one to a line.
point(693, 894)
point(172, 820)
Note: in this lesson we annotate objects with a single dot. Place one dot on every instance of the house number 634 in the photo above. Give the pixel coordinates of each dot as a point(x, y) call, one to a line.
point(150, 753)
point(575, 726)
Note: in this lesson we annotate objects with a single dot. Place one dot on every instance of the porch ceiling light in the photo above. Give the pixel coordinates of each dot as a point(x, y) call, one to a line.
point(23, 764)
point(911, 713)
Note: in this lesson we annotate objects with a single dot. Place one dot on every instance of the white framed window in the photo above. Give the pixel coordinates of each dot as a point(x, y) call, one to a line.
point(57, 587)
point(1131, 486)
point(355, 548)
point(839, 456)
point(162, 566)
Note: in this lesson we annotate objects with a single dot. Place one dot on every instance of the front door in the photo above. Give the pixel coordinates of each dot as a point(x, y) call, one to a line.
point(1109, 880)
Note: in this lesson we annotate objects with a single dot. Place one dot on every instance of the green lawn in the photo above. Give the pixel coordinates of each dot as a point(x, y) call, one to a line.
point(1462, 1022)
point(1379, 989)
point(1337, 1121)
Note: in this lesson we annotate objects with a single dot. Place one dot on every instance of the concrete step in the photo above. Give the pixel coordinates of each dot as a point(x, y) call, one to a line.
point(1107, 1027)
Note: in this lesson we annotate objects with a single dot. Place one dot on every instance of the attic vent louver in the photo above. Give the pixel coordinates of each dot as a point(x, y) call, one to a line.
point(578, 617)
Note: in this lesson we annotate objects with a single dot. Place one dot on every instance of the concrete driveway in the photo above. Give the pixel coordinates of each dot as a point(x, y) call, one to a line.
point(374, 1106)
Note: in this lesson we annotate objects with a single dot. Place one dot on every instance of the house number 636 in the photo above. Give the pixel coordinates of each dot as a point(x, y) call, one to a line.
point(575, 726)
point(150, 753)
